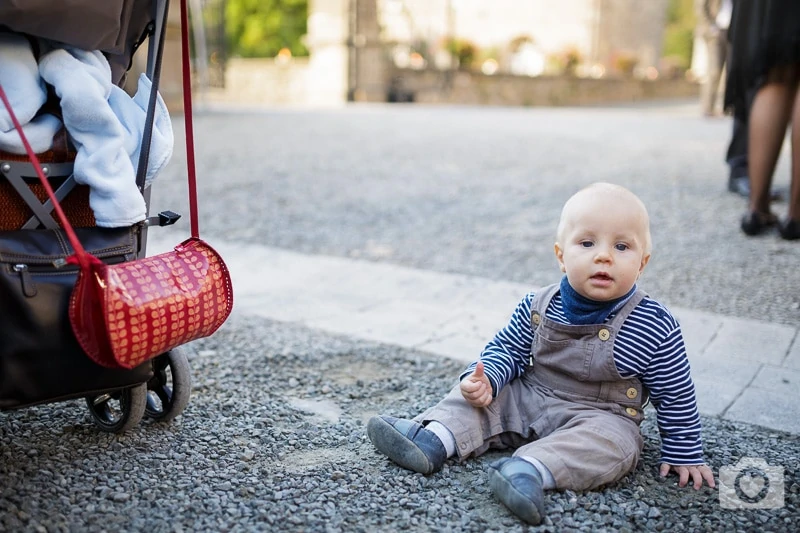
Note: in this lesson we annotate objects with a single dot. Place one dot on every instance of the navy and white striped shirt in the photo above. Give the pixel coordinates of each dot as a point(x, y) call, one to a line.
point(649, 346)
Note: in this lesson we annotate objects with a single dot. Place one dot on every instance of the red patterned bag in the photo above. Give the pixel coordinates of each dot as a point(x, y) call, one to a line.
point(125, 314)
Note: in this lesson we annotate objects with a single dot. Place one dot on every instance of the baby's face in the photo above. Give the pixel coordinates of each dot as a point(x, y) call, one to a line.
point(603, 244)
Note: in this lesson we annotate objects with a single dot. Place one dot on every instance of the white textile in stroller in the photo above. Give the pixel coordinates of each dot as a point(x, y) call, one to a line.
point(104, 123)
point(25, 89)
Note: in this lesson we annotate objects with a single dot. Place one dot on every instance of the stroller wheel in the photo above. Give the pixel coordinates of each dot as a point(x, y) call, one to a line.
point(169, 389)
point(118, 411)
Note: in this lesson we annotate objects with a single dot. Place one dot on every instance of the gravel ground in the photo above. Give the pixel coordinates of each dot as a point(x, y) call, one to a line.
point(273, 439)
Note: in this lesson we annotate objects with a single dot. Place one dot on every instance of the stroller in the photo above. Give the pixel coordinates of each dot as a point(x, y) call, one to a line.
point(33, 293)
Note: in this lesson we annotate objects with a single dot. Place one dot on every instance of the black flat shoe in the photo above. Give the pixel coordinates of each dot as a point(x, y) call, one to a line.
point(789, 229)
point(755, 223)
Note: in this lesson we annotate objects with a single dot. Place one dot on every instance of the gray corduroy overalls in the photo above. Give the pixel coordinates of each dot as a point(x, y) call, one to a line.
point(571, 409)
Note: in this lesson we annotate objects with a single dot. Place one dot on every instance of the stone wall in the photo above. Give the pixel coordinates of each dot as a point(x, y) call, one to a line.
point(266, 82)
point(600, 31)
point(329, 67)
point(368, 61)
point(629, 29)
point(354, 67)
point(459, 87)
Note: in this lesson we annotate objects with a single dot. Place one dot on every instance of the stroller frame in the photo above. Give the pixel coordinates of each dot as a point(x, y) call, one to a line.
point(158, 389)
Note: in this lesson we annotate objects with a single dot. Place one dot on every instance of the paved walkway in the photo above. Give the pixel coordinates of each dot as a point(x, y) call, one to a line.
point(744, 370)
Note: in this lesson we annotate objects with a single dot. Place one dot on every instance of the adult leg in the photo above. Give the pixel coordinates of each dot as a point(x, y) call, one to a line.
point(708, 91)
point(769, 117)
point(794, 195)
point(790, 229)
point(736, 157)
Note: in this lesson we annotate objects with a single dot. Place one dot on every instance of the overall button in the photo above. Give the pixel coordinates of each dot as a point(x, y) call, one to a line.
point(536, 319)
point(632, 393)
point(603, 334)
point(631, 411)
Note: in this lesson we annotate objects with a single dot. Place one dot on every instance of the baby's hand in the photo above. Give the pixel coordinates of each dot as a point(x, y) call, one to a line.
point(476, 388)
point(698, 473)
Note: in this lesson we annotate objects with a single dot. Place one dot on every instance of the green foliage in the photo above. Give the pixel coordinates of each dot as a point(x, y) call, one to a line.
point(565, 62)
point(680, 12)
point(260, 28)
point(463, 50)
point(679, 32)
point(678, 45)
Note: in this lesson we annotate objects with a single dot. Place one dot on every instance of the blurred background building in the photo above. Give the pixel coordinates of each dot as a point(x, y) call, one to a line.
point(517, 52)
point(532, 37)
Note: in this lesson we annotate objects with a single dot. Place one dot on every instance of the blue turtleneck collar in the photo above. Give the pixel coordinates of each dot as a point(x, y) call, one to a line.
point(581, 310)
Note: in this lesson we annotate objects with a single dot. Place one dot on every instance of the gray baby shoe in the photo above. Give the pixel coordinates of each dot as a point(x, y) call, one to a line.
point(517, 483)
point(407, 443)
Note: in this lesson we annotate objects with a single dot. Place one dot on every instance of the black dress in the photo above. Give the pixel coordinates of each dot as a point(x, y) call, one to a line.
point(763, 34)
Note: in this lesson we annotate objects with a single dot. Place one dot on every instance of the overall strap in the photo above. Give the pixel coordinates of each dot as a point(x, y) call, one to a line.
point(541, 300)
point(627, 309)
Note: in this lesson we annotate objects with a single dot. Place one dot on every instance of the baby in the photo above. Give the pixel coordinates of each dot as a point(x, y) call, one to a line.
point(565, 382)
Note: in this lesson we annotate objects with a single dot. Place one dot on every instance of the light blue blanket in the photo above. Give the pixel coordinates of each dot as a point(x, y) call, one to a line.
point(26, 92)
point(103, 122)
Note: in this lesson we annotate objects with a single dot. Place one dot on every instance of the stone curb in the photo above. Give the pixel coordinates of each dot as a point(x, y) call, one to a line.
point(744, 370)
